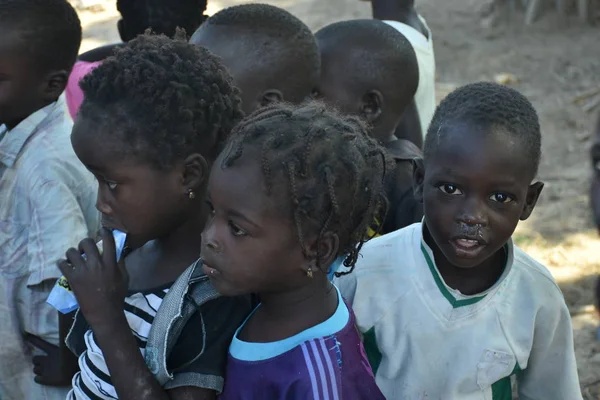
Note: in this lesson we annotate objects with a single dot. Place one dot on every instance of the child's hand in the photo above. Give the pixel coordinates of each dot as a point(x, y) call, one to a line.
point(51, 369)
point(99, 282)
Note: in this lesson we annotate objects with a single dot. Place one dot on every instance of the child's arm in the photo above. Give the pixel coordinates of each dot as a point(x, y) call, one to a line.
point(59, 365)
point(100, 285)
point(551, 372)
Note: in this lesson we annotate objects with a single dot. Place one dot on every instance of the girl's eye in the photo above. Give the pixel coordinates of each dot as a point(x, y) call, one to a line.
point(501, 198)
point(236, 230)
point(450, 189)
point(111, 185)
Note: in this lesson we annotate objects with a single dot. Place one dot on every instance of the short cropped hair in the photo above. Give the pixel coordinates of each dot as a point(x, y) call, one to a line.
point(49, 29)
point(381, 57)
point(287, 46)
point(489, 106)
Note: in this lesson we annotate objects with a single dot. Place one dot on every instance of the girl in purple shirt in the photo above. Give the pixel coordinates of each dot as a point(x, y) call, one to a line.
point(294, 189)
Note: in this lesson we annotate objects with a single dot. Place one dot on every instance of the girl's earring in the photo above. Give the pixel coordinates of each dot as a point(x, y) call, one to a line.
point(191, 194)
point(309, 273)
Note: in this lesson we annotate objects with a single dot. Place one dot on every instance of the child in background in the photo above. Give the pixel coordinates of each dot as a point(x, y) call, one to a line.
point(153, 120)
point(271, 54)
point(379, 87)
point(402, 16)
point(369, 69)
point(450, 308)
point(136, 17)
point(294, 189)
point(46, 196)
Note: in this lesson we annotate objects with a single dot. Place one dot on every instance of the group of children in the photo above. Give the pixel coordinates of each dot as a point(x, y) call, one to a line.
point(252, 269)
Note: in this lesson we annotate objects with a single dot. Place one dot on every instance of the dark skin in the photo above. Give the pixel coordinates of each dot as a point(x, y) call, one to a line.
point(383, 113)
point(402, 11)
point(250, 245)
point(595, 186)
point(154, 206)
point(474, 192)
point(236, 50)
point(398, 10)
point(25, 86)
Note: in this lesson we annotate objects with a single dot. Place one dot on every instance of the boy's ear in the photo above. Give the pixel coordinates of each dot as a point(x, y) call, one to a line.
point(327, 248)
point(271, 96)
point(371, 106)
point(55, 84)
point(533, 194)
point(195, 171)
point(418, 178)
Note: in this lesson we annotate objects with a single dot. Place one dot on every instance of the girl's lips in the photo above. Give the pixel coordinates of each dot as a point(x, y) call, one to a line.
point(208, 270)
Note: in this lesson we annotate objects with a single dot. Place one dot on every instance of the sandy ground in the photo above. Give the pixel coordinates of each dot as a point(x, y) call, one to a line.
point(552, 62)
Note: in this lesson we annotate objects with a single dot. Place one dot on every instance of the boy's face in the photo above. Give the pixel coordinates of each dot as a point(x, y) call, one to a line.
point(475, 188)
point(595, 192)
point(21, 85)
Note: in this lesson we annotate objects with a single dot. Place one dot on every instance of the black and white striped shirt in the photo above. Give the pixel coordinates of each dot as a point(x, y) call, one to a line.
point(93, 381)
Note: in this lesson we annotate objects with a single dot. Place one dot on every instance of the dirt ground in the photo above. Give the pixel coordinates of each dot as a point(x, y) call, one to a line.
point(551, 62)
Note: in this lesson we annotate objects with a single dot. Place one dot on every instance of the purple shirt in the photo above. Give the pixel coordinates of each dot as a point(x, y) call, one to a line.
point(325, 367)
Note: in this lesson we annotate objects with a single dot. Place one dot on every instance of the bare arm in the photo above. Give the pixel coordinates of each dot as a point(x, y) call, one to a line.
point(129, 374)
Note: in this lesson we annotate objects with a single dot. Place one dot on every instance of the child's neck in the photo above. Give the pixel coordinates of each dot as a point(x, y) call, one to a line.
point(285, 314)
point(162, 260)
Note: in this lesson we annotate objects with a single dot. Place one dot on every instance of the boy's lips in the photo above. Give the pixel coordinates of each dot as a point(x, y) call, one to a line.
point(468, 247)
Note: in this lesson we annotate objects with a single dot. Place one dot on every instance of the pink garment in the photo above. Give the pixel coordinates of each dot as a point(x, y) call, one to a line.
point(73, 92)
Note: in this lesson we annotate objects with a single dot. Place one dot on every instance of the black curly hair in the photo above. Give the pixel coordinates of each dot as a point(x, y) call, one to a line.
point(333, 171)
point(380, 56)
point(163, 17)
point(277, 42)
point(491, 107)
point(50, 30)
point(163, 100)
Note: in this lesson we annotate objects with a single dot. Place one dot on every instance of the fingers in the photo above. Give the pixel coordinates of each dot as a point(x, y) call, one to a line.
point(65, 268)
point(74, 258)
point(89, 248)
point(109, 251)
point(39, 343)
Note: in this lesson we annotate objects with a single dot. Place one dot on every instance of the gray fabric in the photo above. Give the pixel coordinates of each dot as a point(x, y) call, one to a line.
point(190, 291)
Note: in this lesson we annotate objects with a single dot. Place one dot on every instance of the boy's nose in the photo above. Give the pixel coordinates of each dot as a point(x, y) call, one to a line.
point(473, 213)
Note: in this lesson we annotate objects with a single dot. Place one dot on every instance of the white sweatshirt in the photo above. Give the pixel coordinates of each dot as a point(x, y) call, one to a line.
point(423, 46)
point(428, 341)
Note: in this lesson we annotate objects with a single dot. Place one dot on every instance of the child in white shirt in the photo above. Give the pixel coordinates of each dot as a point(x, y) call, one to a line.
point(450, 308)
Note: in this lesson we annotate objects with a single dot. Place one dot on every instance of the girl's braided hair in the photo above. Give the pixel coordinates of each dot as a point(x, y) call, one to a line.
point(333, 171)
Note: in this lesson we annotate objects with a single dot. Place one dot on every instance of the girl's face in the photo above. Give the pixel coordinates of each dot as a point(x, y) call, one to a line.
point(133, 195)
point(249, 243)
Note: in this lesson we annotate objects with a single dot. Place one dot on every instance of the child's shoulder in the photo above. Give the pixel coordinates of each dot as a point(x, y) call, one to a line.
point(532, 271)
point(390, 249)
point(534, 281)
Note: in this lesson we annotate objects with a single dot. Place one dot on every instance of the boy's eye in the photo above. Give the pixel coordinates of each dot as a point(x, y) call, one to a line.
point(111, 185)
point(236, 230)
point(501, 198)
point(450, 189)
